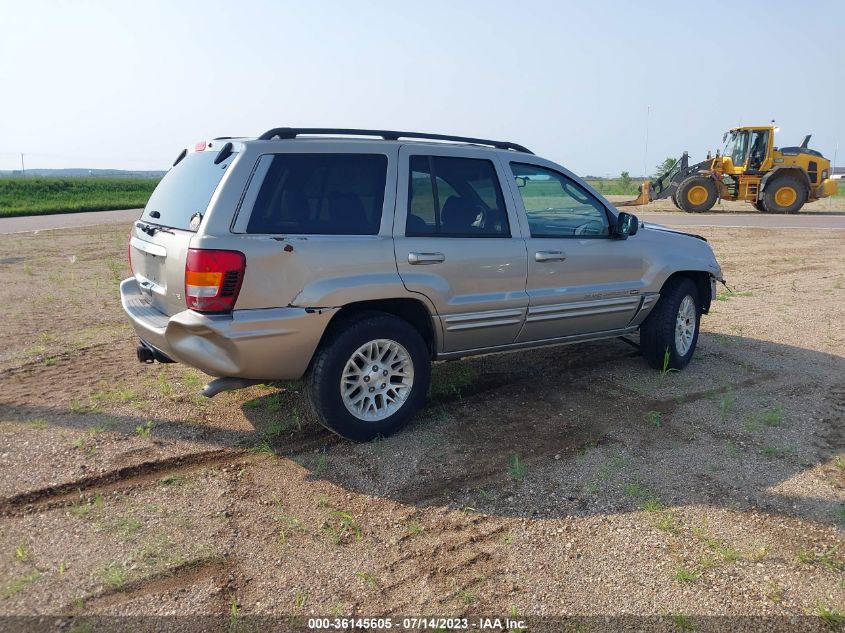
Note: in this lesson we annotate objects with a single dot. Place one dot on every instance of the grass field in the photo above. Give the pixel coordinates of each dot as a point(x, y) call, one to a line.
point(615, 186)
point(35, 196)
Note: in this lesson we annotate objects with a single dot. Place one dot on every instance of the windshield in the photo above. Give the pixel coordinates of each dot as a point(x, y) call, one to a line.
point(185, 190)
point(736, 146)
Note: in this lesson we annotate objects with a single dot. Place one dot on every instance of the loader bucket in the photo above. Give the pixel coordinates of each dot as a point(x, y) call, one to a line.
point(643, 198)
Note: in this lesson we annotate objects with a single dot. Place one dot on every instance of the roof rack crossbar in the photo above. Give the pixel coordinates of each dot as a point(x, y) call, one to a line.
point(388, 135)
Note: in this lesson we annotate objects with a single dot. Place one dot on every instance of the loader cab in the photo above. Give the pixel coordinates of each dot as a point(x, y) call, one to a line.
point(747, 150)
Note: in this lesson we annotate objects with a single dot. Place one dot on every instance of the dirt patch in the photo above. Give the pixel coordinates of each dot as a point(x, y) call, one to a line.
point(563, 481)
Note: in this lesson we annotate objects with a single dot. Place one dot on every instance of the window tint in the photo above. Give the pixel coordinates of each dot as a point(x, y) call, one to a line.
point(557, 206)
point(185, 190)
point(329, 194)
point(455, 197)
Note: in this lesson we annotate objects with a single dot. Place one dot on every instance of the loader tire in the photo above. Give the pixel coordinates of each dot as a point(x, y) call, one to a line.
point(697, 194)
point(760, 206)
point(675, 200)
point(784, 195)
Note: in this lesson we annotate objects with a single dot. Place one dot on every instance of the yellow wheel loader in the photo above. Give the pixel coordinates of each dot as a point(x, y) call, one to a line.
point(749, 168)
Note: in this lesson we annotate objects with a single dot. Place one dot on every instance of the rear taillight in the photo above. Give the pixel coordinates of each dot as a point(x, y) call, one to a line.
point(213, 279)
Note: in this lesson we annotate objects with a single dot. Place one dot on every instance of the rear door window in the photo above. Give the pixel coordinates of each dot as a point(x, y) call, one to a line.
point(455, 197)
point(185, 190)
point(320, 194)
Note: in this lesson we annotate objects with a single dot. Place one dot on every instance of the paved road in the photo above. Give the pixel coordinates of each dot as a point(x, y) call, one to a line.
point(67, 220)
point(679, 220)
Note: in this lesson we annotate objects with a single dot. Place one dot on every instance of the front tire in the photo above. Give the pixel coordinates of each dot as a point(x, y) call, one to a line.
point(369, 377)
point(697, 194)
point(784, 195)
point(669, 334)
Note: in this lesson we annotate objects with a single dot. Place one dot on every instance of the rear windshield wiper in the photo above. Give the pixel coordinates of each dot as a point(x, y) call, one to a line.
point(152, 229)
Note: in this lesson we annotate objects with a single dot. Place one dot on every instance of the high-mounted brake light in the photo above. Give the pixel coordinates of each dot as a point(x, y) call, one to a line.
point(199, 147)
point(213, 279)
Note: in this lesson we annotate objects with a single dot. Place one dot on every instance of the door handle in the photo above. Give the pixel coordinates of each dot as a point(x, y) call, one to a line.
point(426, 258)
point(549, 256)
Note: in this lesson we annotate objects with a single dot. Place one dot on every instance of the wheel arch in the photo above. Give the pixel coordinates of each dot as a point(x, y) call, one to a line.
point(411, 310)
point(701, 279)
point(780, 172)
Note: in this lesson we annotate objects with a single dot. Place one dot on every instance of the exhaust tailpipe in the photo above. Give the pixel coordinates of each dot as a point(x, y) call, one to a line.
point(148, 354)
point(228, 384)
point(145, 354)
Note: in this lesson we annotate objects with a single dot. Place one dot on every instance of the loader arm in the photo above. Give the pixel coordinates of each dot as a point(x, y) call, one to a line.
point(666, 184)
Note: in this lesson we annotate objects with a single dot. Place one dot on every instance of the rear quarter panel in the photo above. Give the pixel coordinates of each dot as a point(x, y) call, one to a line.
point(306, 270)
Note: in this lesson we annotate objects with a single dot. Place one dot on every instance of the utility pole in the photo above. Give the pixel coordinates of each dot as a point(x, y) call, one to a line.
point(23, 168)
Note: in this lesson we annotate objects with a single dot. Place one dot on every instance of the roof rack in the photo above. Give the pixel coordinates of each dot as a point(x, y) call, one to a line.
point(388, 135)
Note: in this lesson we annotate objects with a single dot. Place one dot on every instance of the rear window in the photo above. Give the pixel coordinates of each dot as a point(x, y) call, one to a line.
point(185, 190)
point(323, 194)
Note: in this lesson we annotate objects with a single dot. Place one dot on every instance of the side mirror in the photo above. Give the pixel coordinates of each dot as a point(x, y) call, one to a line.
point(627, 224)
point(521, 181)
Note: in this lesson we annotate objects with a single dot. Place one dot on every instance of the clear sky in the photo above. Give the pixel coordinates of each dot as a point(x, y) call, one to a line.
point(127, 84)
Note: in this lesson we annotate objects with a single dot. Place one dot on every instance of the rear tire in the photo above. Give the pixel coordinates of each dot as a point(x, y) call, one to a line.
point(669, 334)
point(369, 376)
point(760, 206)
point(675, 200)
point(697, 194)
point(784, 195)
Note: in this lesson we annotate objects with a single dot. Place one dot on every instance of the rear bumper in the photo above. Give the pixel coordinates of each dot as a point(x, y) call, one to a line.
point(270, 344)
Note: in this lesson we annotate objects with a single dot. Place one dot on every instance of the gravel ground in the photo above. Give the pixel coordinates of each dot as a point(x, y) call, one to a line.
point(568, 481)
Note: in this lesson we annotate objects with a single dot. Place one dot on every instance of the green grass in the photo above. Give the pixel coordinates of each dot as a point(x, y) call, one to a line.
point(517, 469)
point(20, 583)
point(832, 617)
point(452, 379)
point(727, 553)
point(685, 575)
point(666, 522)
point(83, 509)
point(827, 558)
point(114, 575)
point(730, 294)
point(172, 480)
point(34, 196)
point(778, 452)
point(342, 527)
point(726, 404)
point(773, 416)
point(368, 578)
point(22, 553)
point(262, 446)
point(683, 622)
point(616, 186)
